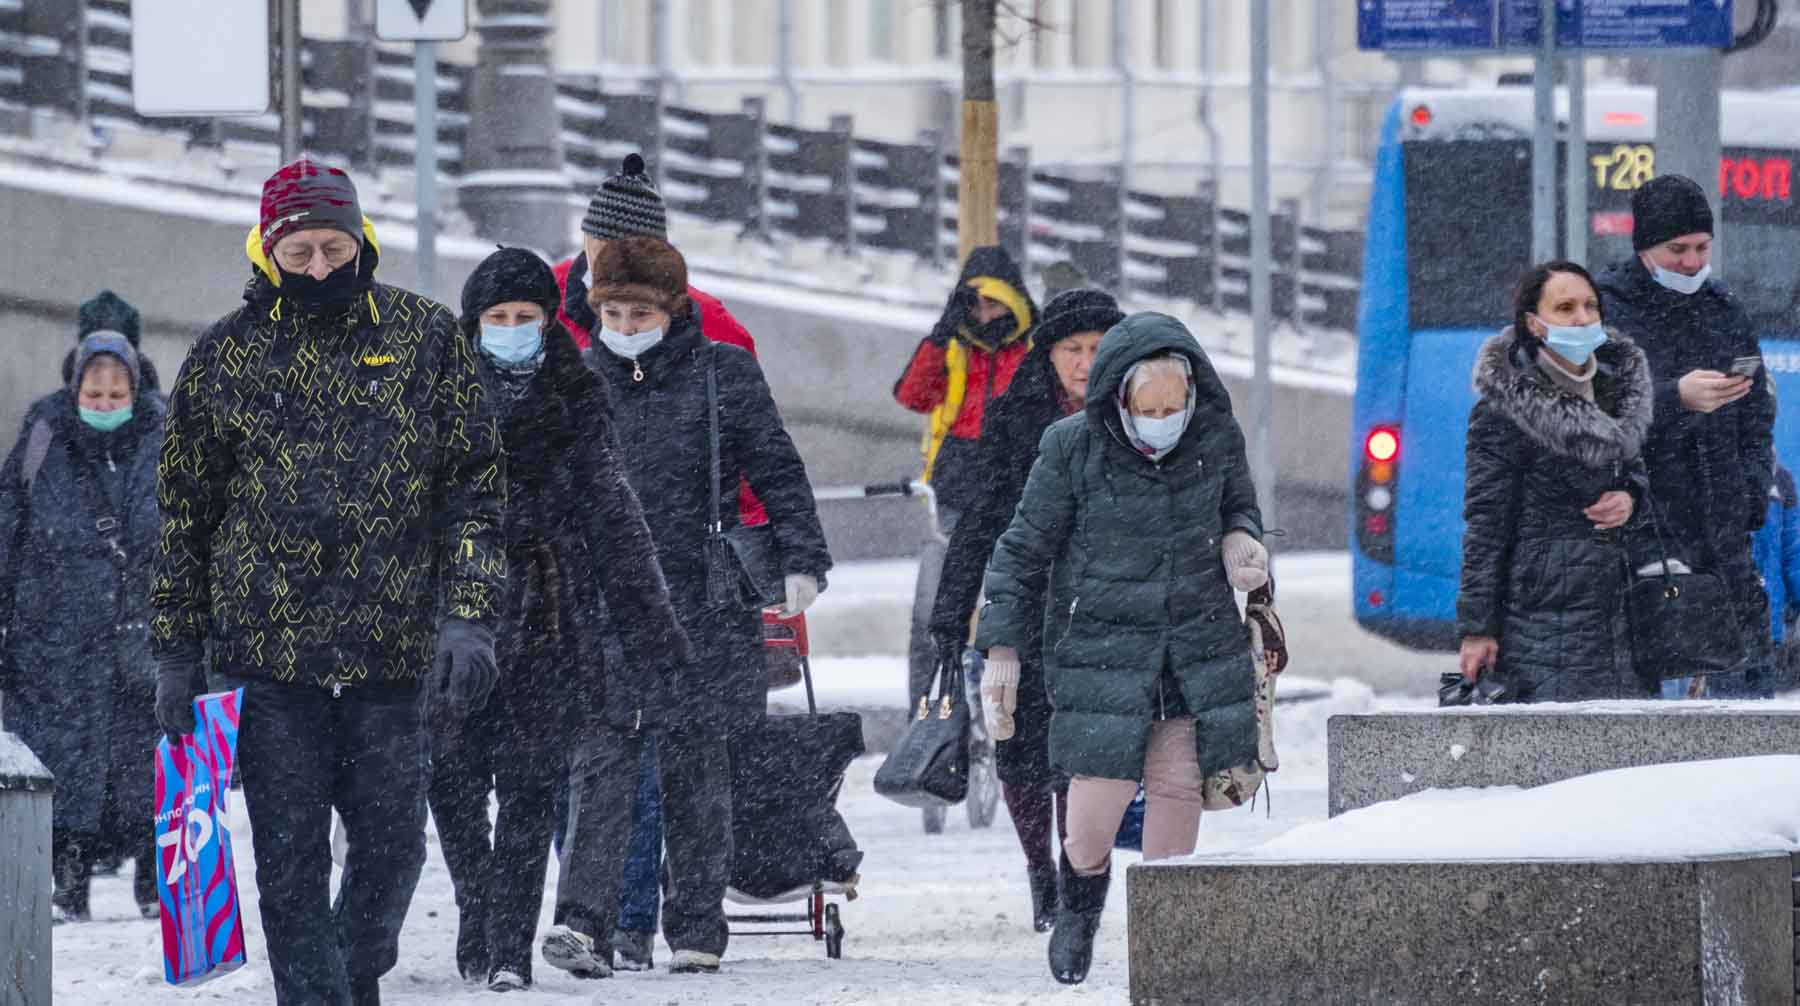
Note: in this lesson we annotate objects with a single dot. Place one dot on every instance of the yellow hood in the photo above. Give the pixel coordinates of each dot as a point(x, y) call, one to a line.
point(253, 250)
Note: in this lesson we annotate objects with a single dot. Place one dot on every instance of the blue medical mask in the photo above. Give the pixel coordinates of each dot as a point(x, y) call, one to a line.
point(512, 344)
point(1160, 434)
point(630, 346)
point(105, 422)
point(1574, 343)
point(1681, 283)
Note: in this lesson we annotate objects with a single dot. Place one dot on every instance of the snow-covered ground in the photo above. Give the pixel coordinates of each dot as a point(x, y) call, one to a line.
point(941, 919)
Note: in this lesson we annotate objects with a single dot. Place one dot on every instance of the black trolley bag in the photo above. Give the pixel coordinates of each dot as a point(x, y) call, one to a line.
point(790, 843)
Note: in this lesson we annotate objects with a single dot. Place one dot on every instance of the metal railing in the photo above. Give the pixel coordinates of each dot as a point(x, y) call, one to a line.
point(772, 180)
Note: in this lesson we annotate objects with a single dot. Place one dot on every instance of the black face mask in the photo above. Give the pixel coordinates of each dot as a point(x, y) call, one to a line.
point(335, 291)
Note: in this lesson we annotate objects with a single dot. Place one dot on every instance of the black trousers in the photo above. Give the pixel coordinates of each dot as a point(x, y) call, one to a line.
point(695, 773)
point(499, 884)
point(301, 753)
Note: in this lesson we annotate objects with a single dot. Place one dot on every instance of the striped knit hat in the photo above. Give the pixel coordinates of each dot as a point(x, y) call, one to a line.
point(626, 205)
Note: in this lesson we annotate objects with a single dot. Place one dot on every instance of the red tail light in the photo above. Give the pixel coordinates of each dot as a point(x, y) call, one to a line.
point(1376, 524)
point(1421, 115)
point(1383, 444)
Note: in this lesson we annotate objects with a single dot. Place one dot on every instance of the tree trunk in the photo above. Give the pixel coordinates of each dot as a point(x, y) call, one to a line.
point(978, 191)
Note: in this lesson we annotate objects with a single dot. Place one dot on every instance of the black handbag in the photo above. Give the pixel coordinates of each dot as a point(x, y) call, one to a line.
point(1682, 624)
point(743, 564)
point(930, 765)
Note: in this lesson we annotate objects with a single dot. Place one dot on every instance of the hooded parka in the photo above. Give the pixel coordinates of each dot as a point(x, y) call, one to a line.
point(76, 544)
point(1117, 558)
point(1536, 574)
point(332, 486)
point(662, 429)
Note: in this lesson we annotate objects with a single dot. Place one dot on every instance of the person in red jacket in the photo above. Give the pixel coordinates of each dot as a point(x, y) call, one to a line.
point(628, 205)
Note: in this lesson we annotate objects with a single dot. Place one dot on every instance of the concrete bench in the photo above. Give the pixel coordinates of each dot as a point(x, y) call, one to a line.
point(1385, 756)
point(25, 791)
point(1663, 884)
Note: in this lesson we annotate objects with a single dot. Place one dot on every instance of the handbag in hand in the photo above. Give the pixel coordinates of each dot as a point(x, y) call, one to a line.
point(743, 565)
point(930, 765)
point(1682, 624)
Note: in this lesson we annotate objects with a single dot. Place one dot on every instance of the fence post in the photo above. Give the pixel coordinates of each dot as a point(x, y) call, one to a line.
point(757, 164)
point(842, 129)
point(1291, 208)
point(1209, 190)
point(932, 198)
point(1021, 249)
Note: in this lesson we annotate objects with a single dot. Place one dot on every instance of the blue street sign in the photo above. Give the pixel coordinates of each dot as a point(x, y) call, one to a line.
point(1490, 25)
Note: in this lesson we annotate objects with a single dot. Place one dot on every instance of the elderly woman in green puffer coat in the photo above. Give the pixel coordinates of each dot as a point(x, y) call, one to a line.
point(1138, 520)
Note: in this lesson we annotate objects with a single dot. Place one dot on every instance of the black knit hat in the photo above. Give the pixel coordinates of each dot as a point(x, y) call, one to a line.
point(108, 311)
point(1076, 311)
point(507, 275)
point(627, 205)
point(1665, 208)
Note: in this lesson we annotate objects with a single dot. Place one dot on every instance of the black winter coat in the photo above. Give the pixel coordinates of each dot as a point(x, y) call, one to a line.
point(75, 556)
point(1116, 559)
point(332, 487)
point(1535, 573)
point(577, 548)
point(662, 429)
point(1010, 433)
point(1710, 474)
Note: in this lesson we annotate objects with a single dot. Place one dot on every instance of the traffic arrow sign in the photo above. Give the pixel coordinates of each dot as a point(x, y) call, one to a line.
point(421, 20)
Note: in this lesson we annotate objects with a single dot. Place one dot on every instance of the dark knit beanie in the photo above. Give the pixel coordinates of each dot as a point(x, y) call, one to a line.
point(106, 343)
point(306, 194)
point(645, 270)
point(1665, 208)
point(507, 275)
point(110, 312)
point(626, 205)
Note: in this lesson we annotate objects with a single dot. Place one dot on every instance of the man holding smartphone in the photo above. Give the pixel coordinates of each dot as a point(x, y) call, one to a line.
point(1710, 452)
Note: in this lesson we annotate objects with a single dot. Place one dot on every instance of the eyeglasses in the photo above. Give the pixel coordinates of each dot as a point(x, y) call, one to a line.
point(296, 258)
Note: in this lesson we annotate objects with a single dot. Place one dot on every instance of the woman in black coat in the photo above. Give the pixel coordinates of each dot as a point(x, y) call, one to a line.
point(656, 363)
point(576, 545)
point(1050, 384)
point(78, 528)
point(1554, 469)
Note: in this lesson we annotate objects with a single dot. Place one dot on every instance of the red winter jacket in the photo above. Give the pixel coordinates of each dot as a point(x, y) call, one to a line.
point(927, 378)
point(716, 324)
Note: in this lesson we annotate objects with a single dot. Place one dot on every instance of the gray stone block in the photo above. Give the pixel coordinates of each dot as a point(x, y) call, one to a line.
point(25, 794)
point(1385, 756)
point(1706, 932)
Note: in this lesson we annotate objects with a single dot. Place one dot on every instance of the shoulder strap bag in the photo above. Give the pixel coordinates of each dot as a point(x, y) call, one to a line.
point(743, 564)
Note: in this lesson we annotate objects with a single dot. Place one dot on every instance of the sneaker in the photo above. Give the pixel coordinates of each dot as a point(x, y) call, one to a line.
point(632, 950)
point(573, 951)
point(693, 962)
point(503, 980)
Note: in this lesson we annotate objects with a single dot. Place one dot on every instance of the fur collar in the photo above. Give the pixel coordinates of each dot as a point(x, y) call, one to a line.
point(1609, 430)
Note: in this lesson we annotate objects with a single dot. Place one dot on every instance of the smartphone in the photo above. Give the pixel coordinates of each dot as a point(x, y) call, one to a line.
point(1746, 366)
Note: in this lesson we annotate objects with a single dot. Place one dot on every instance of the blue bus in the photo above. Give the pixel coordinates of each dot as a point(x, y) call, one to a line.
point(1449, 234)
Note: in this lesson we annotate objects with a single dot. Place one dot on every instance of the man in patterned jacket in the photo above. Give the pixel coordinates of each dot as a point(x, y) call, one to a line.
point(331, 489)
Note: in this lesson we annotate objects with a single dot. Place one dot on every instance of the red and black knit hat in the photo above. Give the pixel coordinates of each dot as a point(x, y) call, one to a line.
point(306, 194)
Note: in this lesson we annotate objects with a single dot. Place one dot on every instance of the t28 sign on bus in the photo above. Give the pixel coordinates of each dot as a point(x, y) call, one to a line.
point(1744, 176)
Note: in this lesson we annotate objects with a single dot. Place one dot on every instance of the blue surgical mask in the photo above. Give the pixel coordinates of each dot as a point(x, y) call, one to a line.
point(1574, 343)
point(512, 344)
point(1160, 434)
point(630, 346)
point(105, 422)
point(1679, 282)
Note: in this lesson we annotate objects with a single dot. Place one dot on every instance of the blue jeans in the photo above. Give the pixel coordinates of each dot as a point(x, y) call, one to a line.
point(640, 888)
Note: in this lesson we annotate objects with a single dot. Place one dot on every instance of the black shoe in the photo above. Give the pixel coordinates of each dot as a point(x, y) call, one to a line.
point(1044, 898)
point(632, 950)
point(365, 992)
point(1072, 944)
point(471, 949)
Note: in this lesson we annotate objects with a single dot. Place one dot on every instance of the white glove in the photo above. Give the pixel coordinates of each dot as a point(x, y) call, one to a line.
point(1246, 561)
point(802, 591)
point(1000, 691)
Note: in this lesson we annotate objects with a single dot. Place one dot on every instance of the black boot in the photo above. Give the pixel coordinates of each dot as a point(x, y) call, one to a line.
point(1077, 920)
point(365, 992)
point(1044, 898)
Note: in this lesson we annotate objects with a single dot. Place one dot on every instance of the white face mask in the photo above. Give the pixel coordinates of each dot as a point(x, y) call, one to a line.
point(630, 346)
point(1160, 434)
point(1680, 282)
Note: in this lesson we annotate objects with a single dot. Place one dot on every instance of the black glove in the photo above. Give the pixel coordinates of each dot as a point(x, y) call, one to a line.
point(179, 681)
point(957, 312)
point(464, 671)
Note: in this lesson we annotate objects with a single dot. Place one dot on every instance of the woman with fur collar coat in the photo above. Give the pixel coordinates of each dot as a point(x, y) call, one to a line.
point(1553, 496)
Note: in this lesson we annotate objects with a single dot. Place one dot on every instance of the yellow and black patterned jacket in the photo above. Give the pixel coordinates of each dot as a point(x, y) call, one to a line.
point(331, 487)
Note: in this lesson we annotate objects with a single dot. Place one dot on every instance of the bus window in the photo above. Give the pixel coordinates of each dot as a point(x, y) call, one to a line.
point(1468, 230)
